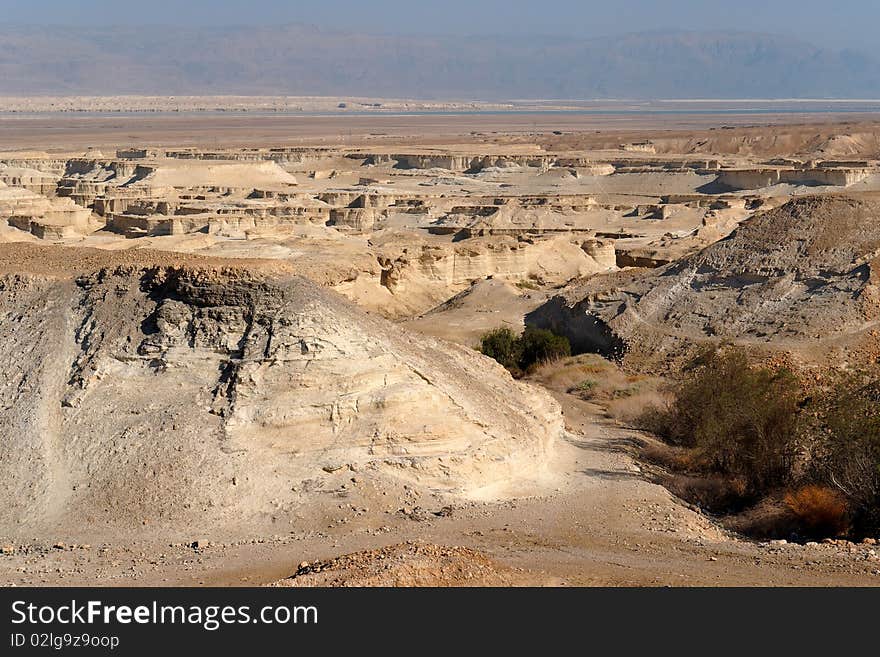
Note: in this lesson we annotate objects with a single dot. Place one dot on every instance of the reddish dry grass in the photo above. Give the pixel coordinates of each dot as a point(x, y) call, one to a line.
point(821, 510)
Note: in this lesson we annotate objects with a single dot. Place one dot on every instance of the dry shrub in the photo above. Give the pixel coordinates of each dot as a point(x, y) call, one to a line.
point(821, 511)
point(714, 492)
point(678, 459)
point(769, 518)
point(743, 418)
point(630, 409)
point(568, 373)
point(685, 474)
point(590, 377)
point(849, 458)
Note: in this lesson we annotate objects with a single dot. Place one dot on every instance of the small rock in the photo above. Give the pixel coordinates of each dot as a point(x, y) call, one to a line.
point(58, 546)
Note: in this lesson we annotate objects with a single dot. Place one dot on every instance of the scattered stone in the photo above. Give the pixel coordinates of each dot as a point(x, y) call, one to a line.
point(414, 513)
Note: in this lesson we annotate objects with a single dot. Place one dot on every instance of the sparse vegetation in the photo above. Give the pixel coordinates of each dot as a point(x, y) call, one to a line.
point(585, 388)
point(742, 418)
point(527, 285)
point(848, 454)
point(503, 345)
point(739, 427)
point(593, 378)
point(542, 346)
point(521, 354)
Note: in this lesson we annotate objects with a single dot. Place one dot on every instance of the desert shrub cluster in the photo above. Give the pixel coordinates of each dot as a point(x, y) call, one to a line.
point(743, 420)
point(761, 432)
point(522, 353)
point(847, 453)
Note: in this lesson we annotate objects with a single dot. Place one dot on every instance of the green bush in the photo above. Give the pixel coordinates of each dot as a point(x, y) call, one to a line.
point(743, 419)
point(520, 353)
point(503, 345)
point(586, 386)
point(541, 346)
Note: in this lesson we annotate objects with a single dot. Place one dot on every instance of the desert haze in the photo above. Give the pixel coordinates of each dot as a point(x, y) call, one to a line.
point(305, 60)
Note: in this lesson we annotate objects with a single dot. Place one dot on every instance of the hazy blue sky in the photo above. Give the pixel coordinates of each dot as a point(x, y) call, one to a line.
point(839, 23)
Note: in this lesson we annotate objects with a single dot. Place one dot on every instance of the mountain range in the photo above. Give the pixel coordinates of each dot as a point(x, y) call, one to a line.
point(306, 60)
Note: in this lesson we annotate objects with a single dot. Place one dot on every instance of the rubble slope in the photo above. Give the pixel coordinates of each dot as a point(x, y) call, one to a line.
point(802, 277)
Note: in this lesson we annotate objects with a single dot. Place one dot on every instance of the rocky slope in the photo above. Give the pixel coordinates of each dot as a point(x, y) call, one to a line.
point(181, 391)
point(801, 278)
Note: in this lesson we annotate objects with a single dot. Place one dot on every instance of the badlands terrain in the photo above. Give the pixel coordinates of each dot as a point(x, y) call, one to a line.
point(242, 350)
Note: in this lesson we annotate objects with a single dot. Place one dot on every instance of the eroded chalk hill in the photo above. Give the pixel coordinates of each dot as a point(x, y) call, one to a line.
point(194, 393)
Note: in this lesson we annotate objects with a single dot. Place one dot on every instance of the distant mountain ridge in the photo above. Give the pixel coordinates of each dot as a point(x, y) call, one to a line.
point(304, 60)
